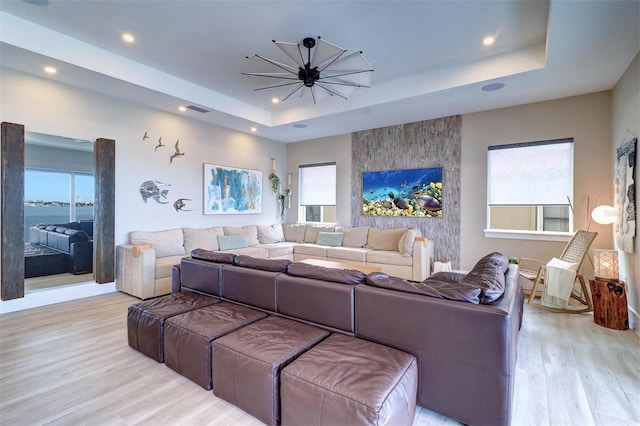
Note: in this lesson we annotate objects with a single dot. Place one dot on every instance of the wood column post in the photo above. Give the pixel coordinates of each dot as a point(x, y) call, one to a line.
point(104, 210)
point(12, 212)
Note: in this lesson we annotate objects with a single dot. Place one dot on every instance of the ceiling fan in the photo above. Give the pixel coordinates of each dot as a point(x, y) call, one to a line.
point(324, 69)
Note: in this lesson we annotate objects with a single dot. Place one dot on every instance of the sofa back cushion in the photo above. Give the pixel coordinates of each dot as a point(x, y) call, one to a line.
point(204, 238)
point(250, 232)
point(251, 286)
point(294, 232)
point(405, 245)
point(311, 233)
point(343, 276)
point(270, 234)
point(272, 265)
point(212, 256)
point(385, 239)
point(165, 243)
point(489, 275)
point(354, 237)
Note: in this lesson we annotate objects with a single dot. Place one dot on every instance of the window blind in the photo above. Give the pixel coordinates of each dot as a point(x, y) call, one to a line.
point(318, 184)
point(532, 173)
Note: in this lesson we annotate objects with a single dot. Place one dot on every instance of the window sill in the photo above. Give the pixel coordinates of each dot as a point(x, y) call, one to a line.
point(528, 235)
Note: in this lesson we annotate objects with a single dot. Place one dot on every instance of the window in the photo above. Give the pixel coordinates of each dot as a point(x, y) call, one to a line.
point(317, 193)
point(48, 197)
point(530, 187)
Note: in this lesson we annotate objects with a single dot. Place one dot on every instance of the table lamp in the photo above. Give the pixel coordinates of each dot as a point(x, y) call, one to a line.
point(605, 264)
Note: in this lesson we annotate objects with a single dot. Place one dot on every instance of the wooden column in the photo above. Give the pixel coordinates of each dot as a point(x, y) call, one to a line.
point(104, 210)
point(609, 304)
point(12, 212)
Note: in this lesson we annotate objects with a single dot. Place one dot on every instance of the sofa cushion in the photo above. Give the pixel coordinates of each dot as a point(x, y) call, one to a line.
point(254, 251)
point(163, 266)
point(311, 250)
point(389, 258)
point(212, 256)
point(77, 235)
point(343, 276)
point(204, 238)
point(405, 245)
point(272, 265)
point(488, 275)
point(311, 233)
point(230, 242)
point(294, 232)
point(385, 239)
point(270, 234)
point(250, 232)
point(333, 239)
point(165, 243)
point(348, 253)
point(450, 288)
point(278, 249)
point(354, 237)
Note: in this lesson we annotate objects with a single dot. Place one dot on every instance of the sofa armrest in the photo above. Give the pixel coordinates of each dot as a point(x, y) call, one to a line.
point(422, 257)
point(135, 275)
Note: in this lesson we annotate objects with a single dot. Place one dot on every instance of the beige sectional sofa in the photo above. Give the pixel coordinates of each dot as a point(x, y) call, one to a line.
point(143, 267)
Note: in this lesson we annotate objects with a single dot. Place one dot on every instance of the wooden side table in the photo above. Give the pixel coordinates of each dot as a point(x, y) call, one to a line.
point(609, 303)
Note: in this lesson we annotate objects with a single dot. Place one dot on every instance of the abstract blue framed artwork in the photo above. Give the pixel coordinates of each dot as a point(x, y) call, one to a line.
point(229, 190)
point(411, 192)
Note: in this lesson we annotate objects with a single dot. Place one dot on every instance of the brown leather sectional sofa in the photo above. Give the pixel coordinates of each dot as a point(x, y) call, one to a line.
point(466, 352)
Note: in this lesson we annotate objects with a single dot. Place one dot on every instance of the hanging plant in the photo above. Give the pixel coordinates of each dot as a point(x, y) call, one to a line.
point(275, 182)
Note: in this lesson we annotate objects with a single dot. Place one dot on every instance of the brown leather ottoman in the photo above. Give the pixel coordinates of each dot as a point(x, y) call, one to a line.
point(247, 363)
point(188, 337)
point(348, 381)
point(145, 320)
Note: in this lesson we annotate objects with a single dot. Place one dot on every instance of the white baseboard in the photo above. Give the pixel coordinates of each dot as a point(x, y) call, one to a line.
point(48, 296)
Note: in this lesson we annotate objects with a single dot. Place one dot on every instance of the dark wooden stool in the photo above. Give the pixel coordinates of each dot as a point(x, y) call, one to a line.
point(609, 303)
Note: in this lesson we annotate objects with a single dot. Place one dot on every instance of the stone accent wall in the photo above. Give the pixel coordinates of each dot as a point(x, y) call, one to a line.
point(431, 143)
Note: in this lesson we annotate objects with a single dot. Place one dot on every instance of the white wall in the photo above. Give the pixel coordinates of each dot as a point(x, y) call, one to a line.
point(45, 106)
point(625, 117)
point(335, 148)
point(585, 118)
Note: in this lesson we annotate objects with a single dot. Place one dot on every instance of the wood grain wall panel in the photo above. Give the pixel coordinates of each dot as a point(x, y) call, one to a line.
point(104, 208)
point(431, 143)
point(12, 212)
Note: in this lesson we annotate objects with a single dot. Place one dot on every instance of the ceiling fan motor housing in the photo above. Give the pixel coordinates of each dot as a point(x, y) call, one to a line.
point(308, 75)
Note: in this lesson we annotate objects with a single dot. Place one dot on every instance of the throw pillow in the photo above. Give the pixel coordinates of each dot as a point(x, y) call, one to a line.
point(270, 234)
point(250, 232)
point(387, 239)
point(405, 245)
point(230, 242)
point(311, 233)
point(165, 243)
point(333, 239)
point(488, 275)
point(204, 238)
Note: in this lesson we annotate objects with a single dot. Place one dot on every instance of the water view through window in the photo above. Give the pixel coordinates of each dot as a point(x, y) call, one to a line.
point(48, 198)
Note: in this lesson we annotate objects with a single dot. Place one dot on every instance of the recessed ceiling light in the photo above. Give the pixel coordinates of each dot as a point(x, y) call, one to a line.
point(50, 70)
point(492, 87)
point(128, 38)
point(182, 108)
point(299, 126)
point(254, 129)
point(275, 100)
point(488, 40)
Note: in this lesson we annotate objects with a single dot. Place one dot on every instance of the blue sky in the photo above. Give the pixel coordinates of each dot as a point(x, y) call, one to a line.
point(49, 186)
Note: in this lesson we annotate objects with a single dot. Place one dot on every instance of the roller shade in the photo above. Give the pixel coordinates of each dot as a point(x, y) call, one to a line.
point(530, 174)
point(318, 184)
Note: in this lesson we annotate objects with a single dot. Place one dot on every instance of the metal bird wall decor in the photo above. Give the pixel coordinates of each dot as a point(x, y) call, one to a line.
point(323, 69)
point(160, 144)
point(177, 153)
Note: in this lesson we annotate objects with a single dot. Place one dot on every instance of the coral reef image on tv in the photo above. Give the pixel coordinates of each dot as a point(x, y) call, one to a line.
point(411, 192)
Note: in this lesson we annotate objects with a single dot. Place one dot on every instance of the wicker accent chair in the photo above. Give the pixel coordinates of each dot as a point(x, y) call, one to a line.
point(576, 251)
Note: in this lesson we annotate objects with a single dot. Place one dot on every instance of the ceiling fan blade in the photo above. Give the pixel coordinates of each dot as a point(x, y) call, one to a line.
point(292, 50)
point(296, 89)
point(275, 86)
point(285, 67)
point(324, 52)
point(331, 90)
point(353, 62)
point(280, 75)
point(352, 78)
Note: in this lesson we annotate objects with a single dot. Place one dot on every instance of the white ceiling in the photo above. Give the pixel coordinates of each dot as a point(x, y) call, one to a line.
point(428, 56)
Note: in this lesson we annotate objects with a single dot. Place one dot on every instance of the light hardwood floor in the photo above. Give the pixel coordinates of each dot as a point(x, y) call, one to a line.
point(69, 364)
point(48, 281)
